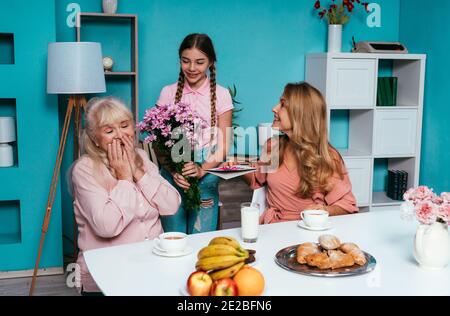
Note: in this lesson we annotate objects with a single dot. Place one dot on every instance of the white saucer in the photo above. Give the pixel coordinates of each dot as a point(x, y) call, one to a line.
point(158, 251)
point(304, 226)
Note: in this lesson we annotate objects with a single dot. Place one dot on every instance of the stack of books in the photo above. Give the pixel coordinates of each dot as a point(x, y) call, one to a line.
point(387, 91)
point(397, 184)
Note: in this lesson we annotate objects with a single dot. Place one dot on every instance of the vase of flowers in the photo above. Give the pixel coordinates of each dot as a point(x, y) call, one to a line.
point(337, 15)
point(175, 133)
point(432, 240)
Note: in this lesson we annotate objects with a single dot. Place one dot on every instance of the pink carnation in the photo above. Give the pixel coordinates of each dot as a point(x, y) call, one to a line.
point(445, 196)
point(422, 193)
point(426, 212)
point(444, 212)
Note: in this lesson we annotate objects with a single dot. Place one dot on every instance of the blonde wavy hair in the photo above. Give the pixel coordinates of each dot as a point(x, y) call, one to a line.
point(316, 159)
point(100, 112)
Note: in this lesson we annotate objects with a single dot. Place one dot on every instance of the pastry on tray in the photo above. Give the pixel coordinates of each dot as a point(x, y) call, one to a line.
point(306, 249)
point(330, 253)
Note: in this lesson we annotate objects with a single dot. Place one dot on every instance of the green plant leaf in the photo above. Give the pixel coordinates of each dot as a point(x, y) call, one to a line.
point(345, 19)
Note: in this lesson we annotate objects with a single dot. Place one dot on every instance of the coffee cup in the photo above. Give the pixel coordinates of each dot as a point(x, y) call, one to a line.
point(315, 218)
point(172, 241)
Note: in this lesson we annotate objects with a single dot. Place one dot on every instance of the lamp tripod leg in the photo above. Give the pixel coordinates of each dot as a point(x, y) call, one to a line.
point(81, 105)
point(52, 192)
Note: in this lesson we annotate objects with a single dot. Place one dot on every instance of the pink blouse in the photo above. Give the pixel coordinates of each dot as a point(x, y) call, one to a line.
point(126, 212)
point(284, 205)
point(200, 101)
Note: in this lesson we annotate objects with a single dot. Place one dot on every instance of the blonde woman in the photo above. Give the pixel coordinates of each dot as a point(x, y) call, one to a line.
point(311, 173)
point(119, 195)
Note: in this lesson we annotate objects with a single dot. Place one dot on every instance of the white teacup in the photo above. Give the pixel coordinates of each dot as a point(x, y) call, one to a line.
point(172, 241)
point(315, 218)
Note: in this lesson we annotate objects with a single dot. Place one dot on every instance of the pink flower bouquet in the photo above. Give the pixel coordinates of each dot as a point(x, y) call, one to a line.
point(175, 131)
point(426, 206)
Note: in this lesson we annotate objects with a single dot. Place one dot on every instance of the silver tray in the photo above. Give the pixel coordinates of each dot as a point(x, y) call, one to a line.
point(287, 259)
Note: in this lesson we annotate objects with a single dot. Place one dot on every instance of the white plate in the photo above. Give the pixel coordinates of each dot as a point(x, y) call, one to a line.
point(236, 168)
point(158, 251)
point(304, 226)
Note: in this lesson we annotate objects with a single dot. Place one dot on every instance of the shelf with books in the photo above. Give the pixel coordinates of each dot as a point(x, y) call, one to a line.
point(372, 139)
point(381, 199)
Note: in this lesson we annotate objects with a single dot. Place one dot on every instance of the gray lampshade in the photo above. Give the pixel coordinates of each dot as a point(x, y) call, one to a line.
point(75, 68)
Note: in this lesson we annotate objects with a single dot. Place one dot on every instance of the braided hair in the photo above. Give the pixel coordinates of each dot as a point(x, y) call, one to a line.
point(203, 43)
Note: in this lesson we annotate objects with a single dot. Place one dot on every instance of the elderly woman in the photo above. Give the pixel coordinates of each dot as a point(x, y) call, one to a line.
point(119, 195)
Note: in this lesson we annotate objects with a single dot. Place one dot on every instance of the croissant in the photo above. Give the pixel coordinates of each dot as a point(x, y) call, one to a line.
point(306, 249)
point(329, 242)
point(319, 260)
point(338, 259)
point(354, 251)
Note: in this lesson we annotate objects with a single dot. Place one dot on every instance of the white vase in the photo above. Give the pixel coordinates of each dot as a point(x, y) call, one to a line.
point(335, 38)
point(432, 246)
point(109, 6)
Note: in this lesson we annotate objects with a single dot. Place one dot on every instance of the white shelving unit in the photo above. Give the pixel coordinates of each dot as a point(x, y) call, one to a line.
point(349, 82)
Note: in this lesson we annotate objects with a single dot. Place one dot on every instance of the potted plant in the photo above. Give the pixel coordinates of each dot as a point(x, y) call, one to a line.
point(337, 15)
point(236, 110)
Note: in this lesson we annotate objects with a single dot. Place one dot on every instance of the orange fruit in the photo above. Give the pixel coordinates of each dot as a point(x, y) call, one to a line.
point(250, 281)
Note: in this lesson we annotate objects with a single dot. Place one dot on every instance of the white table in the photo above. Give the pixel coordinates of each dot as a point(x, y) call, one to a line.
point(134, 270)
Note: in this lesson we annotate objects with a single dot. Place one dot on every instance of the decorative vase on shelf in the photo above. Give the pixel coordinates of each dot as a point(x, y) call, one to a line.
point(109, 6)
point(432, 246)
point(334, 38)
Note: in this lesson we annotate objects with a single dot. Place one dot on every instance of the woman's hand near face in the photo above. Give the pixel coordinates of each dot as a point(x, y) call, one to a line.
point(130, 151)
point(118, 160)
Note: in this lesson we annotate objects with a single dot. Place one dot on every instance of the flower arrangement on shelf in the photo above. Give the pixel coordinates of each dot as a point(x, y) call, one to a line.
point(426, 206)
point(337, 14)
point(175, 133)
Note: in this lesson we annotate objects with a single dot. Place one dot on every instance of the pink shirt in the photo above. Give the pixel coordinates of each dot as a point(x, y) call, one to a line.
point(200, 101)
point(283, 204)
point(125, 213)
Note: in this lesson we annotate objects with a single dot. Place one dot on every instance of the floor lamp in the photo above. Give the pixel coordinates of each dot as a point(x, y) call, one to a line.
point(75, 69)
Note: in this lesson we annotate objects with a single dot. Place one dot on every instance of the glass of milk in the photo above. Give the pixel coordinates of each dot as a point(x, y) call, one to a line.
point(250, 222)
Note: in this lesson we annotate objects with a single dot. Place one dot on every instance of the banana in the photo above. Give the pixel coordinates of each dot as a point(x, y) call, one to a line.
point(227, 241)
point(226, 273)
point(219, 250)
point(218, 262)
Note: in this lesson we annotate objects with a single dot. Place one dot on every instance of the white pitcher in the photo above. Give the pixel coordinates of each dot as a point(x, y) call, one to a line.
point(432, 246)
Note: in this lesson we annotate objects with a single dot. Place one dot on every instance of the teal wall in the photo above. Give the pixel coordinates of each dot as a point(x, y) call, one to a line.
point(261, 46)
point(433, 38)
point(24, 187)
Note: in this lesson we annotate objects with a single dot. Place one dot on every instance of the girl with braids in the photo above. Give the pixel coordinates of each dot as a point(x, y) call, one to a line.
point(214, 105)
point(118, 193)
point(311, 173)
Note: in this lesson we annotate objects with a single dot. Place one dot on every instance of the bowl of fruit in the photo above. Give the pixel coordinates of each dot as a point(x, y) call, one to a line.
point(223, 269)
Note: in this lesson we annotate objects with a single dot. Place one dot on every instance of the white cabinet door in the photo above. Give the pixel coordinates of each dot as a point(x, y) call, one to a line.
point(352, 83)
point(359, 171)
point(395, 133)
